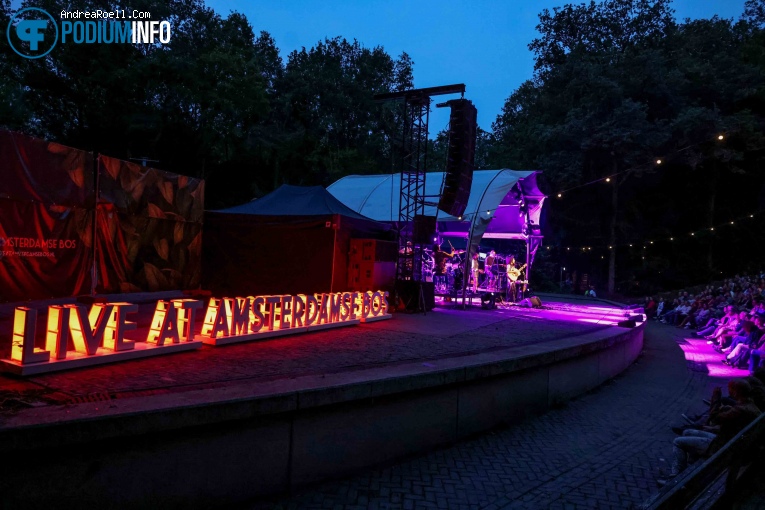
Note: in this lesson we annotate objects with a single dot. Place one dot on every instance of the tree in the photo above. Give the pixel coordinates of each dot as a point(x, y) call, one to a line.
point(616, 84)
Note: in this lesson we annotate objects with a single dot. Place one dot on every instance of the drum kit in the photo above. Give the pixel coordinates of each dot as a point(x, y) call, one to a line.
point(491, 277)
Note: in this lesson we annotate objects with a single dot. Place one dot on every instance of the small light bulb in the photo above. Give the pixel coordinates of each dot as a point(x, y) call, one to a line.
point(608, 179)
point(731, 223)
point(720, 137)
point(671, 238)
point(630, 246)
point(693, 233)
point(488, 212)
point(560, 195)
point(568, 249)
point(712, 228)
point(459, 218)
point(610, 247)
point(658, 162)
point(651, 242)
point(751, 215)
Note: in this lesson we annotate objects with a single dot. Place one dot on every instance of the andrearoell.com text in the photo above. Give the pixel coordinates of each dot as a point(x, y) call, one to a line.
point(116, 14)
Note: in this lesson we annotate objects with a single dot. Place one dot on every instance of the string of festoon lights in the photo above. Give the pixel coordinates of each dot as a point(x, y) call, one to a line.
point(666, 240)
point(654, 163)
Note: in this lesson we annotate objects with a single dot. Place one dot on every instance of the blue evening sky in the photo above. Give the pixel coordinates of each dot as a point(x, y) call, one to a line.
point(483, 44)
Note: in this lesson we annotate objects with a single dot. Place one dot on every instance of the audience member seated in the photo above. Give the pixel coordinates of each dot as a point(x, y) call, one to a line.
point(741, 343)
point(725, 421)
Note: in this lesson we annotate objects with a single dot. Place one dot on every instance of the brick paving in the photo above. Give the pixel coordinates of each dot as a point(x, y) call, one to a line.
point(602, 450)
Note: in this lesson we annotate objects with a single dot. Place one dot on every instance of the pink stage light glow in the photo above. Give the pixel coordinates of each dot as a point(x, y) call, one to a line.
point(700, 352)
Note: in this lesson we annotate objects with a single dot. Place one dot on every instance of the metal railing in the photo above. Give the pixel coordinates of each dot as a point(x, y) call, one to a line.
point(702, 487)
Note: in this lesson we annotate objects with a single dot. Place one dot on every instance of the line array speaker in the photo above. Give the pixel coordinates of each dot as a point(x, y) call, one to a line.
point(460, 160)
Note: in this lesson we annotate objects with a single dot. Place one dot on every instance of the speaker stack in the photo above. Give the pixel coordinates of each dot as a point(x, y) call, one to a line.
point(460, 160)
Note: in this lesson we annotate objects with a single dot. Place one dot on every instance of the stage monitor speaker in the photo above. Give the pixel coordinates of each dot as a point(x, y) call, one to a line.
point(531, 302)
point(460, 160)
point(488, 301)
point(408, 292)
point(626, 324)
point(424, 230)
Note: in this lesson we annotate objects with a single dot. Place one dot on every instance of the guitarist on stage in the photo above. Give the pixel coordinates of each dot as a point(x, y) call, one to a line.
point(513, 273)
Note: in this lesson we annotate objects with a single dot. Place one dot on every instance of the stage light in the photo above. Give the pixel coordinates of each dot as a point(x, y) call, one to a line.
point(608, 179)
point(459, 218)
point(435, 239)
point(651, 242)
point(658, 162)
point(731, 223)
point(720, 137)
point(488, 212)
point(560, 195)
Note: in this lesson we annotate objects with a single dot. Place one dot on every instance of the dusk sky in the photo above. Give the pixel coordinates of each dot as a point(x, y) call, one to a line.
point(483, 44)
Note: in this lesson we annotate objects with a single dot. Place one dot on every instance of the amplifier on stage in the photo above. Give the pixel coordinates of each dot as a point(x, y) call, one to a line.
point(372, 264)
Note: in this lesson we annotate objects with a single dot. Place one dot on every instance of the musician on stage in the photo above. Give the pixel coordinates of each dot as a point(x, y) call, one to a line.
point(488, 269)
point(474, 268)
point(513, 275)
point(440, 258)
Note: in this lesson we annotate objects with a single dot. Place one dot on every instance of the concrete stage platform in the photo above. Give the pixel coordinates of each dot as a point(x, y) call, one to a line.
point(222, 425)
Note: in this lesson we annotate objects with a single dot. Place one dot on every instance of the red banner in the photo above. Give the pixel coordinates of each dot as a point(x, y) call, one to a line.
point(45, 225)
point(149, 228)
point(148, 224)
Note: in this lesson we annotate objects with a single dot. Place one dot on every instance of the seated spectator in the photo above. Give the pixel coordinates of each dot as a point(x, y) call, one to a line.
point(711, 326)
point(650, 307)
point(740, 345)
point(724, 423)
point(659, 308)
point(725, 338)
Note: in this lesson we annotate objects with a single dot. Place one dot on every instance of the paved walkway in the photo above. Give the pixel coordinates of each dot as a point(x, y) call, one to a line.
point(602, 450)
point(441, 334)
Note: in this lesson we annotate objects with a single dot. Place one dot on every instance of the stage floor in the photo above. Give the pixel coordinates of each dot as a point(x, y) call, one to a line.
point(446, 332)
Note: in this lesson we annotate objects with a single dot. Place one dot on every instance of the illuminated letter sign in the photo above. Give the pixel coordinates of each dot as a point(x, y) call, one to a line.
point(100, 335)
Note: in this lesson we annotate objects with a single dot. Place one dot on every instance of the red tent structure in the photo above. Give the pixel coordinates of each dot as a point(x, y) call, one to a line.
point(294, 240)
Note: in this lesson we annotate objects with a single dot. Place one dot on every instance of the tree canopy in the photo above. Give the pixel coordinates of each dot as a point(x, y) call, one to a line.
point(617, 85)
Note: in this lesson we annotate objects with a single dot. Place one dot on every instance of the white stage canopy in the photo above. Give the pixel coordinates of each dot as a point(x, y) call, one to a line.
point(503, 204)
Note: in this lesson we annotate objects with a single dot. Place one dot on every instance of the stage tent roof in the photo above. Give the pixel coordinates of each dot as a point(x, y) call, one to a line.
point(494, 203)
point(290, 200)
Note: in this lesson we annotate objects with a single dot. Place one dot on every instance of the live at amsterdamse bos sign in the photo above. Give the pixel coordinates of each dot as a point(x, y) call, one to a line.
point(76, 336)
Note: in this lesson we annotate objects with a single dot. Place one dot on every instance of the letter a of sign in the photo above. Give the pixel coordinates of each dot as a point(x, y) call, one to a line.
point(164, 325)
